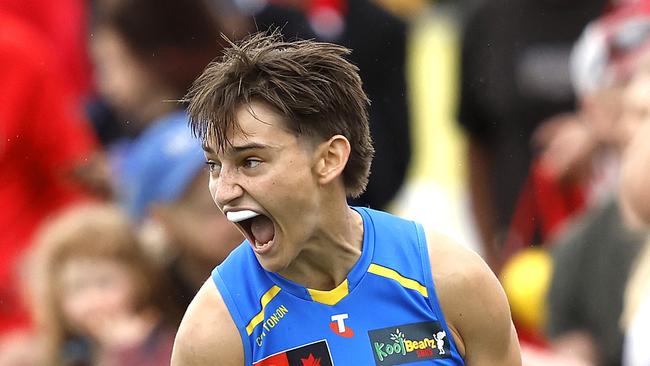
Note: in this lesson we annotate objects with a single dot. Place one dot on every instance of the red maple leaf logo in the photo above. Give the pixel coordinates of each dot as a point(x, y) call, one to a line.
point(310, 361)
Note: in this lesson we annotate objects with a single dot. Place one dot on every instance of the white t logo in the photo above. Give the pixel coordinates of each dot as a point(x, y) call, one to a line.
point(339, 318)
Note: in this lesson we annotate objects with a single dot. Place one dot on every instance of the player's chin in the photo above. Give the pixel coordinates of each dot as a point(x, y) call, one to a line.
point(273, 263)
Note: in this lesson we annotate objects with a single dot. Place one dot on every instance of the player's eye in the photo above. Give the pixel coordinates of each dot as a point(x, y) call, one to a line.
point(252, 162)
point(213, 166)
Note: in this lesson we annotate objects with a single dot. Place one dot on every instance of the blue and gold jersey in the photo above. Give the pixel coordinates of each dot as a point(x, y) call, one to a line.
point(385, 313)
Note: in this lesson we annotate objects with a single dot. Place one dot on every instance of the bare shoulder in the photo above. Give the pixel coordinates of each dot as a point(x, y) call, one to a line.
point(456, 269)
point(474, 304)
point(207, 335)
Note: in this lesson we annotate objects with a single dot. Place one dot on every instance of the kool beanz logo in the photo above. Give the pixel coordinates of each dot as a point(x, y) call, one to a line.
point(409, 343)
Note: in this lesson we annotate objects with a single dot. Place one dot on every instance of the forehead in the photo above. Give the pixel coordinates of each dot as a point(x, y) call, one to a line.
point(256, 123)
point(257, 117)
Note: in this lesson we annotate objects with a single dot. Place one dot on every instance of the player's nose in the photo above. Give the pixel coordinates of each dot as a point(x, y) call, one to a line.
point(225, 188)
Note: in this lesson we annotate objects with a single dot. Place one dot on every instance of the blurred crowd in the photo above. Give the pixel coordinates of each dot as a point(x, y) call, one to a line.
point(107, 228)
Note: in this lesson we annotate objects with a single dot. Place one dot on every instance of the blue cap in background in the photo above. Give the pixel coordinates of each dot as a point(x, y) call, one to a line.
point(159, 165)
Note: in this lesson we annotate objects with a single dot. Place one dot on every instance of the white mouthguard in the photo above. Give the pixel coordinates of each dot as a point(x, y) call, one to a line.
point(237, 216)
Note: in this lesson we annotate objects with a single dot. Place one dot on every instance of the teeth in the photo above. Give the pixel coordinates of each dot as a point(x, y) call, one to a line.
point(237, 216)
point(261, 245)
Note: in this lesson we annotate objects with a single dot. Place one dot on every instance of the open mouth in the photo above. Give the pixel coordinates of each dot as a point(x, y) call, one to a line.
point(258, 228)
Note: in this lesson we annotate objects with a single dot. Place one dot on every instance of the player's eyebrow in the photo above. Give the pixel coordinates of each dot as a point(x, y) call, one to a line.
point(249, 146)
point(235, 149)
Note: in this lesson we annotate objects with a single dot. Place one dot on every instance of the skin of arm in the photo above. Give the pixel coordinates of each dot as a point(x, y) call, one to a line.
point(474, 304)
point(207, 335)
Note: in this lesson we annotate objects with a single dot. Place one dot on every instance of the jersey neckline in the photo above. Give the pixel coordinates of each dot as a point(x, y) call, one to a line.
point(359, 269)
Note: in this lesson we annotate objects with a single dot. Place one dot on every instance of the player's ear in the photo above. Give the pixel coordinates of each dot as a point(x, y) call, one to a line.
point(332, 157)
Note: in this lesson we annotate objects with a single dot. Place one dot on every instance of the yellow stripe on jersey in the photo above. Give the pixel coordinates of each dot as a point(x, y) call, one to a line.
point(266, 298)
point(394, 275)
point(331, 297)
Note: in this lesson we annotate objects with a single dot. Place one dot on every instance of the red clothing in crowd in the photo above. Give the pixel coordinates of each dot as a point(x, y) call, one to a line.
point(63, 24)
point(43, 136)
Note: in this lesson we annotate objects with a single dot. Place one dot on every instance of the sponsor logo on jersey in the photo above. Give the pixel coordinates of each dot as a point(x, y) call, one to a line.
point(409, 343)
point(270, 322)
point(310, 361)
point(312, 354)
point(339, 327)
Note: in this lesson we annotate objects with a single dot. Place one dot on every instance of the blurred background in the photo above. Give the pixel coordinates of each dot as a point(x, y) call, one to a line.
point(515, 127)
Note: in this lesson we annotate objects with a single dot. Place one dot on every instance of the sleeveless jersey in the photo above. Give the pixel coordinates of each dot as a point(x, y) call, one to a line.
point(385, 313)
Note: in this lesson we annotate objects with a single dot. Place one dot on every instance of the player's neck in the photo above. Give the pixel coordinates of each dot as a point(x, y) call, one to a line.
point(326, 260)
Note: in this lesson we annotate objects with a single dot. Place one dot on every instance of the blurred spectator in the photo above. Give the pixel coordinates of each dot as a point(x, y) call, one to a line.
point(97, 298)
point(232, 21)
point(635, 198)
point(147, 54)
point(514, 75)
point(47, 158)
point(593, 259)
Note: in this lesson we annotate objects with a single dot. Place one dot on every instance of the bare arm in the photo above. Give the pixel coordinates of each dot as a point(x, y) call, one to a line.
point(475, 306)
point(207, 335)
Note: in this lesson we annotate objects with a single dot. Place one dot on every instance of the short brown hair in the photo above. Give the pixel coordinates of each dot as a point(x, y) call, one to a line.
point(310, 83)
